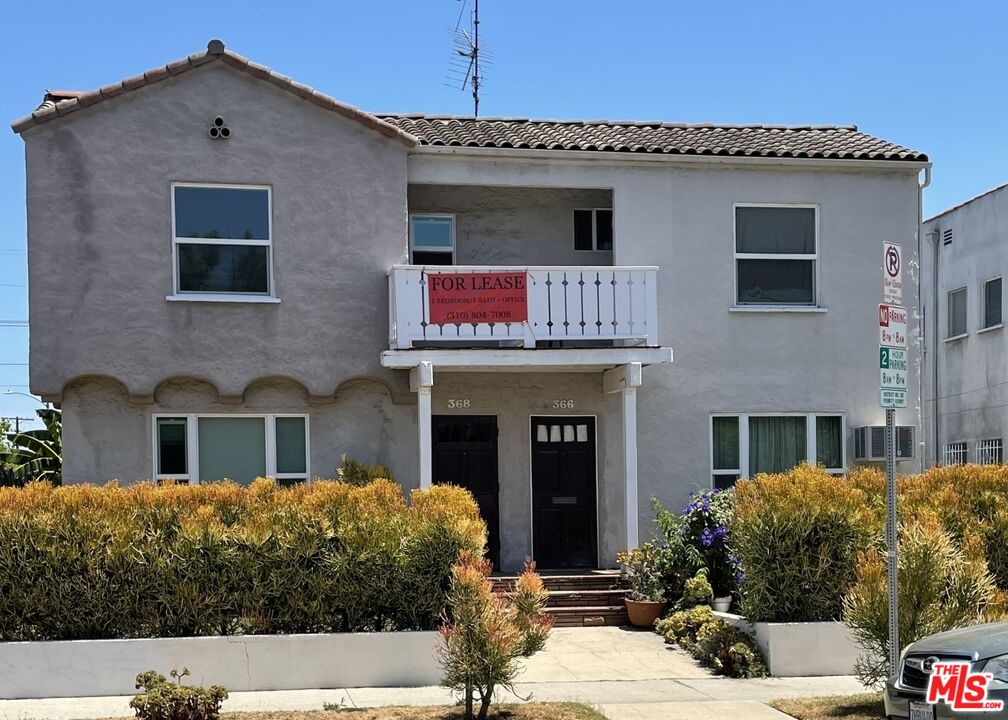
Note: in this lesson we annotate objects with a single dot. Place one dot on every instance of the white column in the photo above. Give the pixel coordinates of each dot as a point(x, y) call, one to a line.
point(625, 380)
point(422, 382)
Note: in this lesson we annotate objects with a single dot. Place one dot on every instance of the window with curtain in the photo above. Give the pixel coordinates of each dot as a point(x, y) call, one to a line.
point(221, 238)
point(743, 445)
point(725, 459)
point(992, 303)
point(232, 448)
point(776, 443)
point(775, 255)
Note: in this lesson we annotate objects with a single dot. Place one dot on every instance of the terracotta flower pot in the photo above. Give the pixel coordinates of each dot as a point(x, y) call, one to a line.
point(643, 613)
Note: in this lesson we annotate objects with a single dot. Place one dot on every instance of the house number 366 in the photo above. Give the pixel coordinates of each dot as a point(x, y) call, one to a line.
point(563, 404)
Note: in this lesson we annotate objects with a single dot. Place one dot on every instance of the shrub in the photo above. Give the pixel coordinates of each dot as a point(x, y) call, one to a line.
point(698, 590)
point(797, 536)
point(354, 472)
point(485, 635)
point(942, 586)
point(996, 547)
point(82, 562)
point(680, 560)
point(706, 523)
point(164, 700)
point(712, 641)
point(644, 572)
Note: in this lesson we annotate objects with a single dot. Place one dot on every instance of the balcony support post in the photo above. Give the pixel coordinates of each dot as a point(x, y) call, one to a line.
point(625, 379)
point(422, 382)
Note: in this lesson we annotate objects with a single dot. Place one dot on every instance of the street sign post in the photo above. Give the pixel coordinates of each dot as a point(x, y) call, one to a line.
point(893, 367)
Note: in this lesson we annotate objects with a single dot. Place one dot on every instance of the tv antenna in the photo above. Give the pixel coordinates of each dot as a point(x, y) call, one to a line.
point(465, 68)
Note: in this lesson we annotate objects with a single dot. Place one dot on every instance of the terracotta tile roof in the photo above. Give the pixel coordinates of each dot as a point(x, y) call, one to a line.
point(58, 103)
point(776, 141)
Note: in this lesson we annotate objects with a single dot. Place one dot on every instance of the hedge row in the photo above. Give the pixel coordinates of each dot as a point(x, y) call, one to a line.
point(108, 562)
point(799, 535)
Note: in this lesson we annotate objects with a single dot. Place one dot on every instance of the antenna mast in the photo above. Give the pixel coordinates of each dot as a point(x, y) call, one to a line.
point(469, 55)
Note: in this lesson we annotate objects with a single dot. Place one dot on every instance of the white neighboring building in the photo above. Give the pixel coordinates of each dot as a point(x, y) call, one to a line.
point(963, 260)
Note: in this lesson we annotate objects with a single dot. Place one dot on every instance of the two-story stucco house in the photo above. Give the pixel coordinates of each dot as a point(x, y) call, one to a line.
point(963, 261)
point(234, 275)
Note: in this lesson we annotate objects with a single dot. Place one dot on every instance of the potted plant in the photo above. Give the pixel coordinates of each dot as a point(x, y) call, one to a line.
point(643, 577)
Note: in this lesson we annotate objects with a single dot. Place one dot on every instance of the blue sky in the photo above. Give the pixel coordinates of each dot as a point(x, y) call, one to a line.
point(928, 75)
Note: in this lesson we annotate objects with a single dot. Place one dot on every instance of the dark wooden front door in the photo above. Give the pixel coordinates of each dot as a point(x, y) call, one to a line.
point(563, 492)
point(465, 454)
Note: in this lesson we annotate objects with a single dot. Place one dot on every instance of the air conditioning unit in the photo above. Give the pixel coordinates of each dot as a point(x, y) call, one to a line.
point(869, 442)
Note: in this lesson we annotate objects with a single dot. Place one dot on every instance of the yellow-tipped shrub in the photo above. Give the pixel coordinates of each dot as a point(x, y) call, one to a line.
point(144, 561)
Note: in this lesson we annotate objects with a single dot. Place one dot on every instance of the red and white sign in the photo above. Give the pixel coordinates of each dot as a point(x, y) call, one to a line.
point(954, 684)
point(484, 297)
point(892, 274)
point(892, 321)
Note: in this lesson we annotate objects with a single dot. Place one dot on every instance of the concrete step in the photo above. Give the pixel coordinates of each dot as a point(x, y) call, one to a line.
point(589, 615)
point(582, 598)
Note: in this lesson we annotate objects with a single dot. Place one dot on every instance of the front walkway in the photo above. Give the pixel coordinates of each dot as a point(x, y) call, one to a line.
point(627, 674)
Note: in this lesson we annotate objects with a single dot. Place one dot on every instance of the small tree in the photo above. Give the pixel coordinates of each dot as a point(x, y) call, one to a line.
point(484, 635)
point(36, 454)
point(942, 586)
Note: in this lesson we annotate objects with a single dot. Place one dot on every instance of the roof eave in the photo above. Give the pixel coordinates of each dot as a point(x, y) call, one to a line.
point(642, 158)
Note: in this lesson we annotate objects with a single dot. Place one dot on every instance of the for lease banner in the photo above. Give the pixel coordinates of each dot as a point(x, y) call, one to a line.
point(484, 297)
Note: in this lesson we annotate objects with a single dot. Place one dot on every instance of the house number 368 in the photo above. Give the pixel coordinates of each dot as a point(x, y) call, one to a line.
point(458, 403)
point(563, 404)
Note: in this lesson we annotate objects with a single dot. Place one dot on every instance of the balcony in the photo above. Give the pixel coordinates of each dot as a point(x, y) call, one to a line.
point(575, 306)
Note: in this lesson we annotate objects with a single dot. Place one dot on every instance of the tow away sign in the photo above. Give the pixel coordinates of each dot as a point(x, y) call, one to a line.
point(892, 274)
point(892, 320)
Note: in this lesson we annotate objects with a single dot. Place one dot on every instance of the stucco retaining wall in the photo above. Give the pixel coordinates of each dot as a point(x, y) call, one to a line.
point(802, 649)
point(80, 668)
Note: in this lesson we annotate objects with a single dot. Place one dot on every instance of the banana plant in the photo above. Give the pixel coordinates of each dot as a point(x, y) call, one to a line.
point(35, 454)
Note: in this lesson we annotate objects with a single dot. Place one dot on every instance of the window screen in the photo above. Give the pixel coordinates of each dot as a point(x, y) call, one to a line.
point(992, 302)
point(222, 213)
point(232, 448)
point(829, 441)
point(171, 440)
point(775, 255)
point(290, 446)
point(957, 313)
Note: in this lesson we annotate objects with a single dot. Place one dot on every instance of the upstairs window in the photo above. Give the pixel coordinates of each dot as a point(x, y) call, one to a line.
point(593, 229)
point(222, 239)
point(432, 239)
point(775, 255)
point(956, 313)
point(992, 303)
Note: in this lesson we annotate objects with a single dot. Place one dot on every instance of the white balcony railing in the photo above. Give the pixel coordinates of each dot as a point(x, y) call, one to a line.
point(564, 304)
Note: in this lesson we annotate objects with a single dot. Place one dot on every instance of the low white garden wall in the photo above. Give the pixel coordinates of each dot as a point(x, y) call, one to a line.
point(802, 649)
point(245, 662)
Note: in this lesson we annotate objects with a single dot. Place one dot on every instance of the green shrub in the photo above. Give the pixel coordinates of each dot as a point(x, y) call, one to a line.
point(942, 585)
point(644, 572)
point(164, 700)
point(354, 472)
point(680, 560)
point(82, 562)
point(797, 536)
point(712, 641)
point(697, 591)
point(484, 635)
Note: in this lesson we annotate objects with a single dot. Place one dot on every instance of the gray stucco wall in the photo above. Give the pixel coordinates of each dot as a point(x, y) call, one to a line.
point(513, 225)
point(99, 246)
point(972, 371)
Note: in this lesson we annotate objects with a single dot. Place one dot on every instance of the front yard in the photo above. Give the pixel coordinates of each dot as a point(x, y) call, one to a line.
point(526, 711)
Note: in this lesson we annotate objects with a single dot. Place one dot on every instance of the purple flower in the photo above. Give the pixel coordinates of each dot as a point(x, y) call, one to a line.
point(707, 537)
point(721, 532)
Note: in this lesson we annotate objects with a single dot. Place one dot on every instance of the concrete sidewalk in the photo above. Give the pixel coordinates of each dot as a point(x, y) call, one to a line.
point(627, 674)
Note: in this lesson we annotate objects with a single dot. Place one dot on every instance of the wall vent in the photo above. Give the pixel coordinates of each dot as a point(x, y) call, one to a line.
point(869, 442)
point(947, 237)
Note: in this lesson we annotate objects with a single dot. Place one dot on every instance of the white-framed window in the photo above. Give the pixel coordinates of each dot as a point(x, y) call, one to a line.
point(776, 254)
point(745, 444)
point(955, 454)
point(992, 303)
point(990, 452)
point(956, 313)
point(222, 240)
point(432, 239)
point(593, 229)
point(235, 446)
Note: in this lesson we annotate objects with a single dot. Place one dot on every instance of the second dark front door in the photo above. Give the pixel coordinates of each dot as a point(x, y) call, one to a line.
point(563, 492)
point(465, 454)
